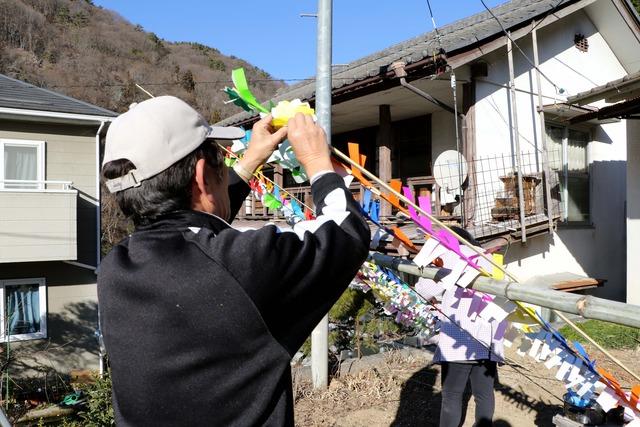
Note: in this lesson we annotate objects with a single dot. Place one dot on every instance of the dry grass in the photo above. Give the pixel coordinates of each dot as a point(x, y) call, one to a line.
point(375, 387)
point(401, 389)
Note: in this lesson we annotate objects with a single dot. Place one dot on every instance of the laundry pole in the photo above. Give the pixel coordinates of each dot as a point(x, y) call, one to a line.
point(320, 335)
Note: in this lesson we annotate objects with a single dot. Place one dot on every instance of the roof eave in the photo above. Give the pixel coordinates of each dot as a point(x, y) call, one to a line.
point(607, 90)
point(461, 56)
point(382, 81)
point(52, 116)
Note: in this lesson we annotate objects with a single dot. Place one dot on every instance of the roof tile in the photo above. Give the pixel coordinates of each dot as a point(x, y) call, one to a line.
point(21, 95)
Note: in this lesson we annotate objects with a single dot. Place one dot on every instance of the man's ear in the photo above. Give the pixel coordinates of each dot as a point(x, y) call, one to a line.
point(199, 177)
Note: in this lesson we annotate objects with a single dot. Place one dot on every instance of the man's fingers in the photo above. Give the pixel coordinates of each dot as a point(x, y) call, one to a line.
point(297, 120)
point(265, 120)
point(263, 123)
point(308, 120)
point(280, 134)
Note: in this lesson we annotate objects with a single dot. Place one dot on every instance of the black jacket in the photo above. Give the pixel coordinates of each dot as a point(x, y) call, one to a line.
point(200, 320)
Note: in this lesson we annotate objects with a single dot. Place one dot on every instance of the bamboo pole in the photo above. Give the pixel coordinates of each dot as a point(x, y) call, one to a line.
point(149, 94)
point(537, 290)
point(408, 202)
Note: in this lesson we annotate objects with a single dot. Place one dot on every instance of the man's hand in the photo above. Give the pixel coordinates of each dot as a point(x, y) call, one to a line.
point(309, 143)
point(264, 140)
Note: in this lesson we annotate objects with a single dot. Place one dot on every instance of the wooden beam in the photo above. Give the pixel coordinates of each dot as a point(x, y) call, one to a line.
point(577, 284)
point(278, 179)
point(384, 144)
point(468, 125)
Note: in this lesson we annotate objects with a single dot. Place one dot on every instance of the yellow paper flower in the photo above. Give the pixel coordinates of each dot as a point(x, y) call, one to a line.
point(285, 110)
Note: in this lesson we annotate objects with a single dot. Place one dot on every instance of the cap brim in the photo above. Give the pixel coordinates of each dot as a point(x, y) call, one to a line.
point(225, 132)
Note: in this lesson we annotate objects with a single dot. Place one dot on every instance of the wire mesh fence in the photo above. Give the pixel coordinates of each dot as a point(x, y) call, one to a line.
point(491, 198)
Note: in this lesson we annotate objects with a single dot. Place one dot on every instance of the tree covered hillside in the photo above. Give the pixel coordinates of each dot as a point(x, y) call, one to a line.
point(93, 54)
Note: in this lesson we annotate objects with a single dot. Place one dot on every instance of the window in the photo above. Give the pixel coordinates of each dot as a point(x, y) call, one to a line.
point(21, 160)
point(568, 158)
point(23, 309)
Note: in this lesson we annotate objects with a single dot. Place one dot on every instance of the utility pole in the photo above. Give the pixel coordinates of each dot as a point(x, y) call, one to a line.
point(320, 335)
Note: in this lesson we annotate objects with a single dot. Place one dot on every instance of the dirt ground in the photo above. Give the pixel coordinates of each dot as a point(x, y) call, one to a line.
point(402, 389)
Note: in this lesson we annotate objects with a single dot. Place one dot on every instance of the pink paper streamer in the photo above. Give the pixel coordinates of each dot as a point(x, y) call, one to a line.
point(447, 239)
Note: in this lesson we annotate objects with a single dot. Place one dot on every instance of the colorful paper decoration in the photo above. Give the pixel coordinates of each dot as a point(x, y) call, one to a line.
point(285, 110)
point(243, 92)
point(582, 379)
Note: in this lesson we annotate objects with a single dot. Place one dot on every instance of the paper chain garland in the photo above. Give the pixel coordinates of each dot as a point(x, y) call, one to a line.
point(582, 378)
point(398, 298)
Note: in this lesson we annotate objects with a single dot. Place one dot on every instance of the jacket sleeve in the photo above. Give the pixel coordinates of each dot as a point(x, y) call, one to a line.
point(294, 277)
point(238, 192)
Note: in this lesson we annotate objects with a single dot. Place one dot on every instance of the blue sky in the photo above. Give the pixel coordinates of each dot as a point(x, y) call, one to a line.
point(272, 35)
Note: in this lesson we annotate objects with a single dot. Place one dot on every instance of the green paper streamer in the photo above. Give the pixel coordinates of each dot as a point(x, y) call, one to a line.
point(242, 88)
point(235, 98)
point(230, 161)
point(271, 202)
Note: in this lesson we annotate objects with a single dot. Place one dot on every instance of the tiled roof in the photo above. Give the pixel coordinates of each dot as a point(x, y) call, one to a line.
point(453, 37)
point(618, 86)
point(20, 95)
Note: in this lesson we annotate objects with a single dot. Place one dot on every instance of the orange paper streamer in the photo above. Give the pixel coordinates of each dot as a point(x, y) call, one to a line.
point(396, 184)
point(360, 159)
point(399, 234)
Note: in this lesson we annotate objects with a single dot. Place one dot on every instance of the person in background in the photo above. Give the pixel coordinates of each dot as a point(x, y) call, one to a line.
point(468, 353)
point(200, 320)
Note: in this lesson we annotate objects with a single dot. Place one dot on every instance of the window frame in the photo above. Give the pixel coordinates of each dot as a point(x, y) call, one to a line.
point(42, 295)
point(40, 158)
point(566, 173)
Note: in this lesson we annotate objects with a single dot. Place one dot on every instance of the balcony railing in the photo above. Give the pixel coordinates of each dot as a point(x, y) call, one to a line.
point(34, 185)
point(491, 204)
point(38, 221)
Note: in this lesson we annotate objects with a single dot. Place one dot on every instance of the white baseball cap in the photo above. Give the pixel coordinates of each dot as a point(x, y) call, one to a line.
point(155, 134)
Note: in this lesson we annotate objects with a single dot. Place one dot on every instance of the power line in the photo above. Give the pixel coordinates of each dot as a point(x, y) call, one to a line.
point(225, 81)
point(549, 12)
point(506, 33)
point(203, 82)
point(435, 27)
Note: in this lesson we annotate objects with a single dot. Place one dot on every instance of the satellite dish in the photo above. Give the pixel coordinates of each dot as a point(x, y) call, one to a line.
point(450, 170)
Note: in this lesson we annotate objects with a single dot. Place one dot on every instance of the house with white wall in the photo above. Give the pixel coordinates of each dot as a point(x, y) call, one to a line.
point(503, 78)
point(49, 227)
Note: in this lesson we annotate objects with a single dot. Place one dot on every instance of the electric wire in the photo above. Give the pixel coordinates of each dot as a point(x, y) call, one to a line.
point(435, 27)
point(549, 12)
point(508, 35)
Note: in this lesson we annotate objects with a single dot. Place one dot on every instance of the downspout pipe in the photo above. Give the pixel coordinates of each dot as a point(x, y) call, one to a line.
point(102, 131)
point(401, 73)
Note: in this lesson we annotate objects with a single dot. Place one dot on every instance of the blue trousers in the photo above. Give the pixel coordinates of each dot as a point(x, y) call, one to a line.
point(455, 376)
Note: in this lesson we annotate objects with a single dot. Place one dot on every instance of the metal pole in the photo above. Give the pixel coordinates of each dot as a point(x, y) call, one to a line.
point(458, 149)
point(320, 335)
point(565, 173)
point(535, 291)
point(516, 139)
point(543, 133)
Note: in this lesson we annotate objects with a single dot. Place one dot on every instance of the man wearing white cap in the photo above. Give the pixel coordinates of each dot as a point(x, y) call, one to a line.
point(200, 321)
